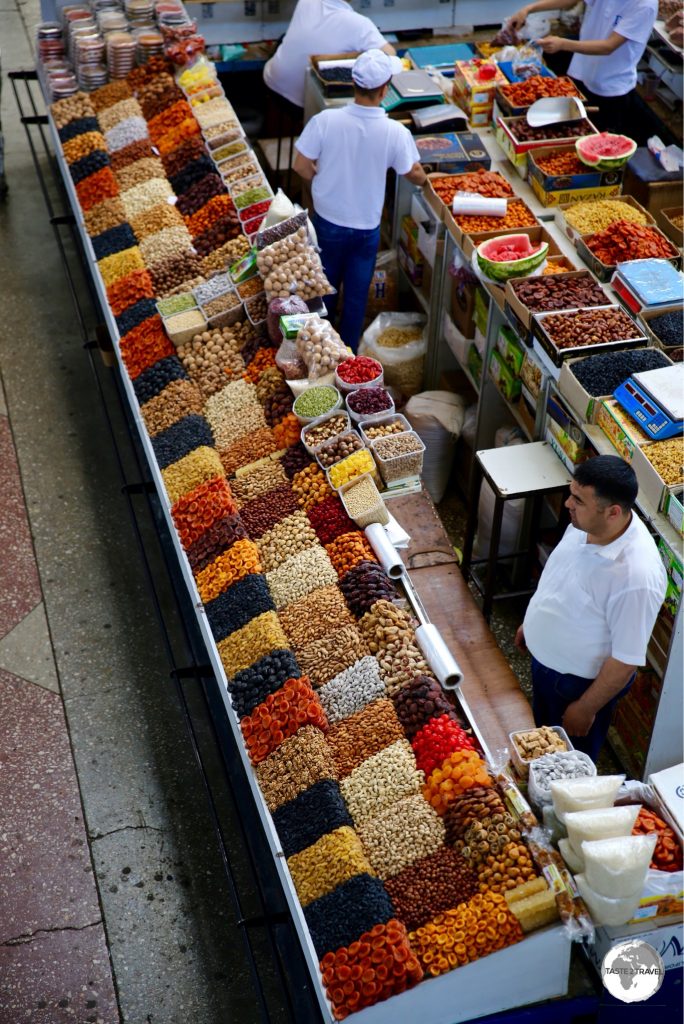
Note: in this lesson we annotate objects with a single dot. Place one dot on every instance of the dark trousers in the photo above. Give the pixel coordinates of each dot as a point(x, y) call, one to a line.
point(615, 113)
point(348, 257)
point(553, 691)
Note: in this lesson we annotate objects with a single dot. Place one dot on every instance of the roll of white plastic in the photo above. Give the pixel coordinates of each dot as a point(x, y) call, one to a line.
point(438, 656)
point(479, 206)
point(385, 551)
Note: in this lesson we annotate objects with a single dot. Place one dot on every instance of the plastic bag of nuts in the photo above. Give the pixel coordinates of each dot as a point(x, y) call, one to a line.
point(320, 346)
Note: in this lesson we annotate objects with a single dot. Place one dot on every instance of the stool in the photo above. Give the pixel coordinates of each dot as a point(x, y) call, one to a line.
point(515, 471)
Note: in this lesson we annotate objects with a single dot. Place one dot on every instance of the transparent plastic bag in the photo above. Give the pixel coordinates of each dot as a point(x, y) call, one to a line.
point(283, 307)
point(303, 276)
point(289, 361)
point(321, 348)
point(402, 361)
point(275, 232)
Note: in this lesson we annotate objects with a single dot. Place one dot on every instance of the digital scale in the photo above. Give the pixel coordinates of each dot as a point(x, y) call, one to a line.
point(411, 89)
point(655, 400)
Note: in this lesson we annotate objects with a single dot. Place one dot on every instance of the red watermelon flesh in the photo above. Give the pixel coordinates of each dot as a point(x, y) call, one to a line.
point(607, 144)
point(505, 252)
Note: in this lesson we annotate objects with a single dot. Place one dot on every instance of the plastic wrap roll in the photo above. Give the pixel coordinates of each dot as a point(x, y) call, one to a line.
point(438, 656)
point(386, 553)
point(479, 206)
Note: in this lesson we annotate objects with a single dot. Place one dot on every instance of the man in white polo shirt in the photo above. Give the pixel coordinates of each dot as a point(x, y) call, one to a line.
point(613, 37)
point(318, 26)
point(346, 153)
point(589, 622)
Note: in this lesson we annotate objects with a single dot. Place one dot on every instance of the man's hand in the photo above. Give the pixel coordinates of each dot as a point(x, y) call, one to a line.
point(417, 175)
point(551, 44)
point(518, 19)
point(520, 640)
point(577, 721)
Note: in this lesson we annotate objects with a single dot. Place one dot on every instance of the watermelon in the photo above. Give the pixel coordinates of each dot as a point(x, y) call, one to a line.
point(510, 256)
point(605, 152)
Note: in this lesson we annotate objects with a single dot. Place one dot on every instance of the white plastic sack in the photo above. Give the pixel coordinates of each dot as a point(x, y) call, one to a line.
point(604, 910)
point(584, 794)
point(603, 823)
point(617, 867)
point(513, 511)
point(403, 364)
point(437, 417)
point(280, 209)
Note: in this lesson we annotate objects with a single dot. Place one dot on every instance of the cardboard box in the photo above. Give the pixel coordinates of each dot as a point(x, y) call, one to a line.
point(531, 375)
point(558, 449)
point(646, 315)
point(603, 271)
point(506, 105)
point(459, 233)
point(674, 510)
point(516, 150)
point(587, 181)
point(651, 483)
point(432, 199)
point(474, 363)
point(507, 383)
point(468, 83)
point(462, 307)
point(623, 433)
point(413, 267)
point(565, 196)
point(672, 561)
point(511, 350)
point(670, 792)
point(521, 316)
point(567, 432)
point(481, 310)
point(664, 222)
point(573, 234)
point(559, 355)
point(451, 153)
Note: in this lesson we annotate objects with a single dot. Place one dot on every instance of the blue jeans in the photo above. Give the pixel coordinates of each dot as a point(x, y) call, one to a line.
point(552, 692)
point(348, 256)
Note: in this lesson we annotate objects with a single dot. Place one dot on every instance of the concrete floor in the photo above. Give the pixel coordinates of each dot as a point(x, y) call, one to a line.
point(115, 903)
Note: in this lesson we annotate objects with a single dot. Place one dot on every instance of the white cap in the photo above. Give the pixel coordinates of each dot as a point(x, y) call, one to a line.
point(375, 67)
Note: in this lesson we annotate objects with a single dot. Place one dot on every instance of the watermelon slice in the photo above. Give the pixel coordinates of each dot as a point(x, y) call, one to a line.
point(510, 256)
point(605, 152)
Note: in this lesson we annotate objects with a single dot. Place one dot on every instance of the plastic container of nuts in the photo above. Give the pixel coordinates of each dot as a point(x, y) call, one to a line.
point(323, 428)
point(370, 430)
point(399, 456)
point(522, 745)
point(337, 448)
point(182, 327)
point(362, 501)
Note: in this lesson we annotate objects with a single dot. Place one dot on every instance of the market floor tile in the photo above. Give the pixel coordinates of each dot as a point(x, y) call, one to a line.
point(19, 586)
point(58, 977)
point(27, 651)
point(48, 881)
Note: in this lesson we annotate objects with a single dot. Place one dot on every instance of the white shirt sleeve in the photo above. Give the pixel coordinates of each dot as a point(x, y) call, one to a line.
point(309, 142)
point(405, 151)
point(635, 22)
point(631, 615)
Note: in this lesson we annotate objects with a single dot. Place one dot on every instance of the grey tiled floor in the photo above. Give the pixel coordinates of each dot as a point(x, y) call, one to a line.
point(80, 657)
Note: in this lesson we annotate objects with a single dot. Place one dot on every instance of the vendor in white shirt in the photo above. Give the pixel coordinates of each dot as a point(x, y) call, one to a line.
point(589, 622)
point(346, 153)
point(318, 26)
point(612, 40)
